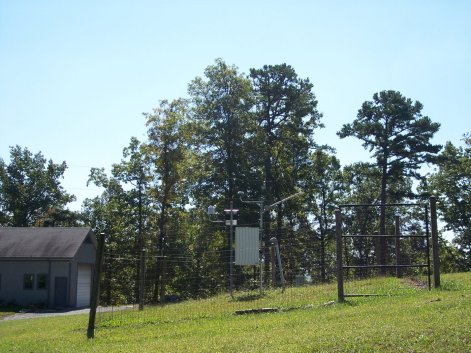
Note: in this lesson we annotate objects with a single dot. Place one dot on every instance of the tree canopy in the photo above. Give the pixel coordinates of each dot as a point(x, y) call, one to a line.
point(254, 133)
point(393, 128)
point(452, 185)
point(30, 189)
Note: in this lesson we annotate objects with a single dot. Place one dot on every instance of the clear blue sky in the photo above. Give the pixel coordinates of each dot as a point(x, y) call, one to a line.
point(75, 76)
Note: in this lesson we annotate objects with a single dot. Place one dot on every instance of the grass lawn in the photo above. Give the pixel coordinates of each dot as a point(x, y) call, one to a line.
point(414, 320)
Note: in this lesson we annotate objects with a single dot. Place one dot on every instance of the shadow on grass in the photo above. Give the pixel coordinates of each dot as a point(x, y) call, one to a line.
point(248, 297)
point(351, 302)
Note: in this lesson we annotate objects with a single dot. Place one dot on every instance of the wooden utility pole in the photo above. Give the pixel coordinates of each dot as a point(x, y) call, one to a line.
point(96, 286)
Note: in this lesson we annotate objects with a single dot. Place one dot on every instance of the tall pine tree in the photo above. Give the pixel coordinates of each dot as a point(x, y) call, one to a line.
point(393, 128)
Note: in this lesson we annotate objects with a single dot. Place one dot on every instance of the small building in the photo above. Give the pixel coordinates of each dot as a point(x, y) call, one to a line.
point(47, 266)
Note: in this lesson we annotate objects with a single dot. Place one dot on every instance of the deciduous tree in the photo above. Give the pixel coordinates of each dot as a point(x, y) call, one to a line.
point(222, 103)
point(452, 185)
point(169, 158)
point(30, 187)
point(325, 186)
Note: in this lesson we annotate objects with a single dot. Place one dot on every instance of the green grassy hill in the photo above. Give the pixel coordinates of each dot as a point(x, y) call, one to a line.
point(408, 319)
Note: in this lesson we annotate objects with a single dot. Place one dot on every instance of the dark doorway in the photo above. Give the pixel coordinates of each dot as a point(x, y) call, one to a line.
point(60, 292)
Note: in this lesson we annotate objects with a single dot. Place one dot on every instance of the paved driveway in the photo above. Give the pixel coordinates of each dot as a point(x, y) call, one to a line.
point(48, 313)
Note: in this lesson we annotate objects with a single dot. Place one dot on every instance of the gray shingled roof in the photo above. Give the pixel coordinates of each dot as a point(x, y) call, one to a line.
point(47, 242)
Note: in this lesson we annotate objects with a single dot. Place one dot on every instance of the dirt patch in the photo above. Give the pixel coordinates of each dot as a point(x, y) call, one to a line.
point(415, 283)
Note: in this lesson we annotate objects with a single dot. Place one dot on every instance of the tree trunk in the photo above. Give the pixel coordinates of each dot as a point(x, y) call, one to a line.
point(323, 228)
point(162, 255)
point(267, 225)
point(322, 256)
point(141, 269)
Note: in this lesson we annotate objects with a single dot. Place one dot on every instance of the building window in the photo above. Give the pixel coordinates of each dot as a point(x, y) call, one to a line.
point(0, 281)
point(28, 281)
point(41, 281)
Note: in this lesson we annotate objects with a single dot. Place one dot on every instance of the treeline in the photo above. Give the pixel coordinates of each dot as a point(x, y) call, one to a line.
point(254, 134)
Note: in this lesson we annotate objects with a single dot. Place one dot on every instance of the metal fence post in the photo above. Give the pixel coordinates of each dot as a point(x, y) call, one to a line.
point(435, 246)
point(338, 235)
point(273, 264)
point(397, 233)
point(231, 230)
point(142, 275)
